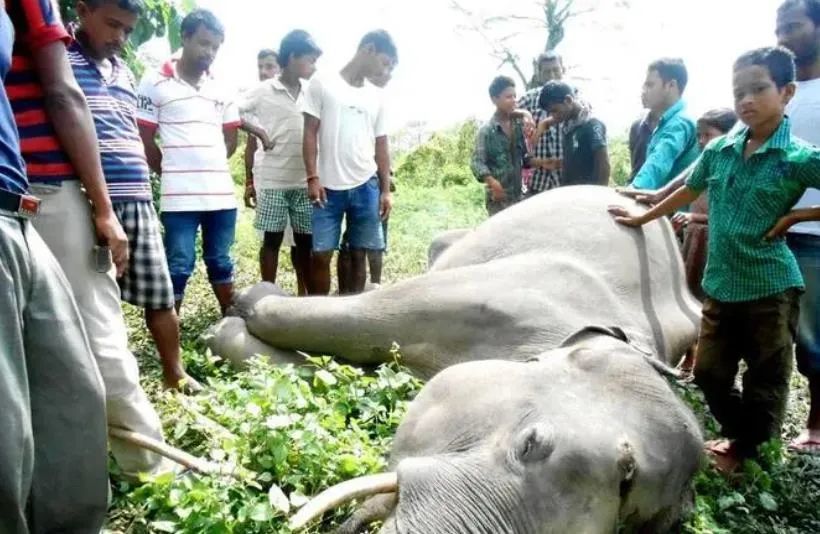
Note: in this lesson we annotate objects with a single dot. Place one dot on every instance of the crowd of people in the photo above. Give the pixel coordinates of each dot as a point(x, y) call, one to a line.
point(740, 186)
point(79, 138)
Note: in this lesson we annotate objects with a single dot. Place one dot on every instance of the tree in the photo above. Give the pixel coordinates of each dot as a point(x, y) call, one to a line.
point(499, 30)
point(162, 18)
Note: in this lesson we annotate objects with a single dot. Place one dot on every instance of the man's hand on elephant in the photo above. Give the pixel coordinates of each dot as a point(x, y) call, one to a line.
point(642, 196)
point(385, 205)
point(625, 217)
point(316, 193)
point(110, 232)
point(495, 188)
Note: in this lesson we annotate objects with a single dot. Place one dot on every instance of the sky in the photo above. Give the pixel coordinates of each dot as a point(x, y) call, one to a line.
point(444, 69)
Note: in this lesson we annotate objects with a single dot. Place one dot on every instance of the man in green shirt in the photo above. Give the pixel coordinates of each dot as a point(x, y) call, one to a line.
point(752, 281)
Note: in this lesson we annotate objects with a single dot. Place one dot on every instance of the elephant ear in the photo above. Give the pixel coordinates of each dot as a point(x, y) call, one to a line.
point(631, 338)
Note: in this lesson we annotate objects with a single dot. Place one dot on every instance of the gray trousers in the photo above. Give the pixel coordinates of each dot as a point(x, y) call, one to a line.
point(53, 452)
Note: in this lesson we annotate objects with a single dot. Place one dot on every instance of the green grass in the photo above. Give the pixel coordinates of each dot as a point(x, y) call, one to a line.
point(345, 420)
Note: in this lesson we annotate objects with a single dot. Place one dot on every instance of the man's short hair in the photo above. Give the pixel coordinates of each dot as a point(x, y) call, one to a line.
point(499, 84)
point(137, 7)
point(201, 17)
point(812, 8)
point(382, 42)
point(297, 43)
point(721, 119)
point(779, 61)
point(671, 68)
point(549, 55)
point(554, 92)
point(267, 52)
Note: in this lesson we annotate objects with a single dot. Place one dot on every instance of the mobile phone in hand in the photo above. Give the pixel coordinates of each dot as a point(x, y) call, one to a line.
point(102, 258)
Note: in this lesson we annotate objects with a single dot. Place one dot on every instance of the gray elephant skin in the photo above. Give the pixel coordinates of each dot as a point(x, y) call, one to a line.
point(584, 439)
point(513, 287)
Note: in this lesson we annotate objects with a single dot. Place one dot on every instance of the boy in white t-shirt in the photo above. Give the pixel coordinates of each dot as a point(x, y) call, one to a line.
point(344, 123)
point(279, 172)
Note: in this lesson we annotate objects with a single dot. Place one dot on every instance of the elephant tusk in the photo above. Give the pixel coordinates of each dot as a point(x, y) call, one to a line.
point(181, 457)
point(342, 493)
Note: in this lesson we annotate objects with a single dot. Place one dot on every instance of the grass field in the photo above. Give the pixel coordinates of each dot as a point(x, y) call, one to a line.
point(301, 430)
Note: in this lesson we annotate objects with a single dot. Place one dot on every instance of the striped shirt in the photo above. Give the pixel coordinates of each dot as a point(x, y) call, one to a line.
point(113, 104)
point(37, 24)
point(275, 110)
point(746, 199)
point(190, 122)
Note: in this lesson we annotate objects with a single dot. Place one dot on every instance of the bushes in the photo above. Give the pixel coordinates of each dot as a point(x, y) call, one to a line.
point(443, 160)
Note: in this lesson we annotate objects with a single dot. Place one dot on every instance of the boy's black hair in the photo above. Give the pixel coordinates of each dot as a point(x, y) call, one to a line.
point(671, 68)
point(297, 43)
point(812, 8)
point(201, 17)
point(137, 7)
point(549, 55)
point(779, 61)
point(267, 52)
point(499, 84)
point(554, 92)
point(722, 119)
point(382, 42)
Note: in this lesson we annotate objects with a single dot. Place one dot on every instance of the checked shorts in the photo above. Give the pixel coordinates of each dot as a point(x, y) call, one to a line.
point(276, 206)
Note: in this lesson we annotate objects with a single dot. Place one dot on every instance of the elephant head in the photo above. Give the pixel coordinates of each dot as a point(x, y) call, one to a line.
point(582, 439)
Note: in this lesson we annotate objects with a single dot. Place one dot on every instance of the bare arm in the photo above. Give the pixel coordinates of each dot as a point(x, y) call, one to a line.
point(310, 144)
point(152, 152)
point(250, 153)
point(383, 164)
point(601, 167)
point(69, 115)
point(231, 139)
point(256, 133)
point(793, 217)
point(673, 203)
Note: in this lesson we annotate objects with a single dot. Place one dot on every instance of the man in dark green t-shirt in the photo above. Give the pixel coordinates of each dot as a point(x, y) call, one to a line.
point(585, 158)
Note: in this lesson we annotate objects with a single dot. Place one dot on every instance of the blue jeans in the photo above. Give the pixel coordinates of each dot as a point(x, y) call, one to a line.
point(806, 248)
point(218, 232)
point(360, 206)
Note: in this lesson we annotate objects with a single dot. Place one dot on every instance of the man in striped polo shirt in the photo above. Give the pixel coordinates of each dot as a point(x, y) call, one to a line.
point(196, 121)
point(50, 389)
point(108, 85)
point(60, 148)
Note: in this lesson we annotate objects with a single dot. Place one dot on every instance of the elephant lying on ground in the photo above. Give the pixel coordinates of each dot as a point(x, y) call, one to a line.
point(515, 286)
point(582, 439)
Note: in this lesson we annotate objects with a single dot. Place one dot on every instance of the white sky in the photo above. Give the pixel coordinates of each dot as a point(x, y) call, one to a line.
point(443, 72)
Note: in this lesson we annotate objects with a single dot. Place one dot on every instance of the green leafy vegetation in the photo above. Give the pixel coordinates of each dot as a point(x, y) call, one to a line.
point(303, 429)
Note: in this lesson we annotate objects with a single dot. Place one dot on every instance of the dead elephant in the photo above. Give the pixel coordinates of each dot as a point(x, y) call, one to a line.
point(586, 438)
point(515, 286)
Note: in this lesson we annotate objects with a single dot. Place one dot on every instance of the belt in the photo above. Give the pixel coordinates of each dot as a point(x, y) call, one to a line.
point(23, 205)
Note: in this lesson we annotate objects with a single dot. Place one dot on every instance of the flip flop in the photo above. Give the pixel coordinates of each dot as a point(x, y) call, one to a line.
point(806, 446)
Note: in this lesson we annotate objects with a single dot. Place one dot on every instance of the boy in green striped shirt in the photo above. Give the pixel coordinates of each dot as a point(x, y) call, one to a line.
point(752, 282)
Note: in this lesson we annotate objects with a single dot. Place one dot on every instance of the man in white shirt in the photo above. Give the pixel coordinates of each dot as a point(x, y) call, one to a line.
point(281, 191)
point(197, 122)
point(344, 124)
point(798, 29)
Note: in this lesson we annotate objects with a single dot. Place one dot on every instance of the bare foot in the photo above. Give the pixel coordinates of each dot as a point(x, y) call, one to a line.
point(718, 446)
point(807, 442)
point(724, 456)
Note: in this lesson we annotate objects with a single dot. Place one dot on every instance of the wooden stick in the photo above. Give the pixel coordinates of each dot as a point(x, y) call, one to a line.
point(181, 457)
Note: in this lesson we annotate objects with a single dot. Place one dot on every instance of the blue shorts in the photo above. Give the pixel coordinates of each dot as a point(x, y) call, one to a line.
point(218, 229)
point(806, 248)
point(360, 207)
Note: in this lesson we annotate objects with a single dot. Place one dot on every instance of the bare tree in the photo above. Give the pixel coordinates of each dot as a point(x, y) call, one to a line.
point(553, 19)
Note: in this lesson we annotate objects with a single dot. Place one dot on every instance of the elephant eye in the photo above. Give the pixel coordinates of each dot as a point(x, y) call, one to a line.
point(535, 443)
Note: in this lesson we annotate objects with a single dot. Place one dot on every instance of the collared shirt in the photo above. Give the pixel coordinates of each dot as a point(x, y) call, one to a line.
point(673, 147)
point(190, 121)
point(499, 156)
point(12, 175)
point(549, 145)
point(746, 199)
point(37, 25)
point(113, 105)
point(639, 135)
point(804, 113)
point(272, 107)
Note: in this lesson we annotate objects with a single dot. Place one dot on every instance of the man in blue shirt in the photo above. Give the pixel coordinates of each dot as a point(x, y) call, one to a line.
point(53, 449)
point(673, 145)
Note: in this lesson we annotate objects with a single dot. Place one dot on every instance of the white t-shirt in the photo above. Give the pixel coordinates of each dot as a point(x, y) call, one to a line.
point(270, 106)
point(351, 120)
point(804, 113)
point(190, 122)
